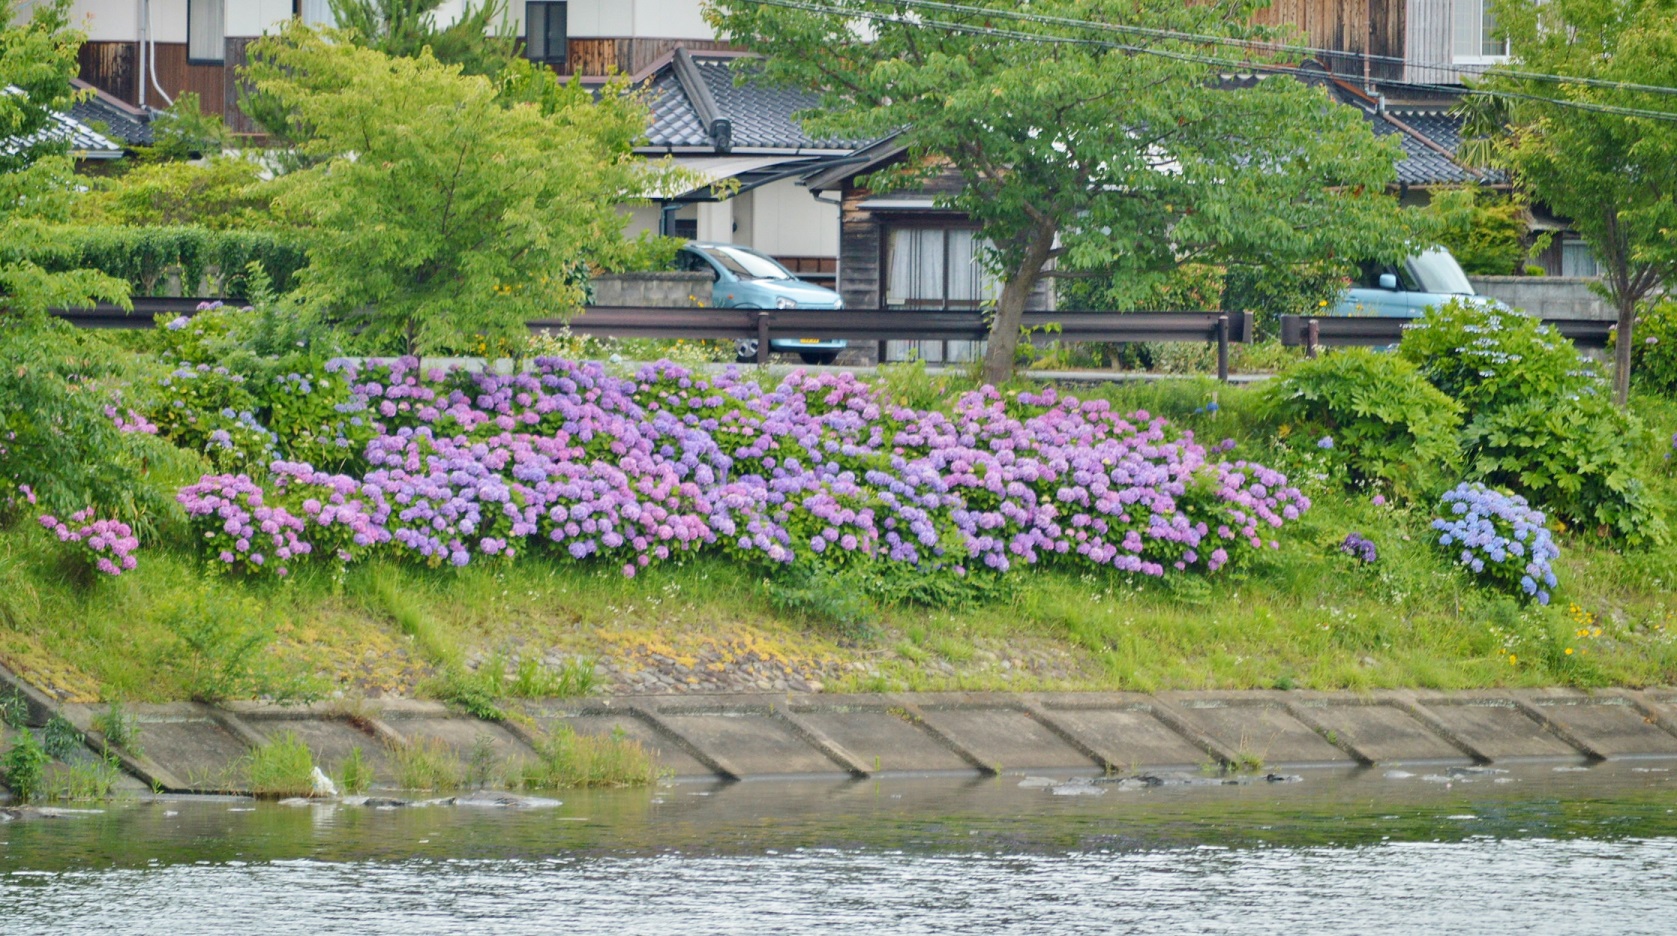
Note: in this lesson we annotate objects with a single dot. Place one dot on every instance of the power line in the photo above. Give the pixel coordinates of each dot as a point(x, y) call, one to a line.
point(1261, 46)
point(992, 32)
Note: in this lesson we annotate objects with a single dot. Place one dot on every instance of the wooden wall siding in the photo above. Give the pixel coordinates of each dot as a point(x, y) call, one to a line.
point(112, 67)
point(177, 77)
point(1429, 42)
point(592, 57)
point(861, 253)
point(1348, 27)
point(237, 47)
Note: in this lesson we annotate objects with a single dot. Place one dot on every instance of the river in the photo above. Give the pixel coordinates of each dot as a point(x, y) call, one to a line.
point(1536, 849)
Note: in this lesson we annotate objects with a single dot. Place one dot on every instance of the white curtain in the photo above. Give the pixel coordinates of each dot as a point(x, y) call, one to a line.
point(206, 30)
point(318, 13)
point(935, 268)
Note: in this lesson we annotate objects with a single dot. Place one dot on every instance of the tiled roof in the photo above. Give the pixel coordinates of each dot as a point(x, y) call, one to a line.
point(760, 114)
point(120, 121)
point(84, 141)
point(1421, 164)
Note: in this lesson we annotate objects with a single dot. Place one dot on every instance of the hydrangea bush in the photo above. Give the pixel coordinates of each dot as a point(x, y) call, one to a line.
point(821, 470)
point(1499, 538)
point(106, 545)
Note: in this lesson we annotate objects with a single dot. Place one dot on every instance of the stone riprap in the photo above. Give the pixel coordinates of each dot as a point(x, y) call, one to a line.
point(191, 747)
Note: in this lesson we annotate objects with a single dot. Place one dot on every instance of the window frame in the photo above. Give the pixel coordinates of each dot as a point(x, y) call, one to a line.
point(549, 7)
point(220, 59)
point(1479, 58)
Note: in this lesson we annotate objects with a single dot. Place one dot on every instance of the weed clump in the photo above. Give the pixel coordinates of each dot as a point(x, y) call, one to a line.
point(282, 767)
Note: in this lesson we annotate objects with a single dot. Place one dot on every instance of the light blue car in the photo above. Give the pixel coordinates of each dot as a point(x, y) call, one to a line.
point(1405, 290)
point(745, 279)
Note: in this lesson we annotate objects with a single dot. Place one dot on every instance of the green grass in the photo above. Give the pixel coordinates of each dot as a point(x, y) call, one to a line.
point(1304, 616)
point(427, 764)
point(282, 767)
point(567, 759)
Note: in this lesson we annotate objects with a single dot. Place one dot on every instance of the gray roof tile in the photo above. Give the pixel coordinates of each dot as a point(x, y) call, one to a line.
point(760, 113)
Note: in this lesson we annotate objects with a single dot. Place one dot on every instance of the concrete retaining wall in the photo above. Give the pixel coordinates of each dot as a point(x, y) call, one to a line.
point(1546, 296)
point(191, 747)
point(653, 290)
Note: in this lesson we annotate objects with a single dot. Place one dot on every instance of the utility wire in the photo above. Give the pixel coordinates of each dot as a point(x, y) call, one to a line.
point(1262, 46)
point(991, 32)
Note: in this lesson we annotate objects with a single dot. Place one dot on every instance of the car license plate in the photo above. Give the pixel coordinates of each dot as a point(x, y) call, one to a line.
point(809, 341)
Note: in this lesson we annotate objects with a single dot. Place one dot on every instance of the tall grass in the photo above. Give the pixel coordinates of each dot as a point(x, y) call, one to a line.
point(281, 767)
point(565, 758)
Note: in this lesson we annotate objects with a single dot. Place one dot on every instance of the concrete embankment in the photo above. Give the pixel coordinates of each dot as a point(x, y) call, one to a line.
point(192, 747)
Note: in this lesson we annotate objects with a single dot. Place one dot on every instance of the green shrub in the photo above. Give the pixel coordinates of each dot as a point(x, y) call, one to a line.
point(1654, 357)
point(218, 638)
point(1270, 292)
point(427, 764)
point(118, 727)
point(1575, 457)
point(282, 767)
point(355, 775)
point(567, 759)
point(1485, 358)
point(1387, 423)
point(148, 257)
point(24, 766)
point(59, 738)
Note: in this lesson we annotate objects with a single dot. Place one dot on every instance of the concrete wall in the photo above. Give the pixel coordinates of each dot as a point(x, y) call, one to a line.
point(668, 18)
point(1546, 296)
point(785, 220)
point(654, 290)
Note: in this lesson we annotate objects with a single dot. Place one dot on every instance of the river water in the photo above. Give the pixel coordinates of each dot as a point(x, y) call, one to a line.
point(1536, 850)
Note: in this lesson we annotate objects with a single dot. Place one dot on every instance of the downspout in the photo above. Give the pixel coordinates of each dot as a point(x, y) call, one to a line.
point(140, 7)
point(151, 40)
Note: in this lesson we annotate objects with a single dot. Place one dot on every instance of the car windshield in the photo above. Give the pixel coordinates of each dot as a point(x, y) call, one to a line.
point(1435, 271)
point(747, 264)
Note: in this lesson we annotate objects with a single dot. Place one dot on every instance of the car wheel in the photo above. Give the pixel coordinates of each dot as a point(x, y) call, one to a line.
point(745, 351)
point(818, 357)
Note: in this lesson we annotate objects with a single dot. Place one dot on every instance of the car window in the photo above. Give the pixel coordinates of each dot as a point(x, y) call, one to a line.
point(1435, 271)
point(690, 262)
point(747, 264)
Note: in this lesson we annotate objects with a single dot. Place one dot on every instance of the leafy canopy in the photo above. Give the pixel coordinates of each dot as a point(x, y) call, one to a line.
point(445, 207)
point(1076, 157)
point(38, 58)
point(1614, 176)
point(480, 39)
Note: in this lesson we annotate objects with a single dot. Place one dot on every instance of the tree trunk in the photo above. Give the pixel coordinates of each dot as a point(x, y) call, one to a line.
point(1010, 307)
point(1622, 349)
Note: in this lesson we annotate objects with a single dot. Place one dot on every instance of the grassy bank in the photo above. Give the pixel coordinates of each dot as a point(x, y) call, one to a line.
point(1306, 615)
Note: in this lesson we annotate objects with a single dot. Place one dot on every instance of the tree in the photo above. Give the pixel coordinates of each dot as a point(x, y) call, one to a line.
point(479, 39)
point(38, 58)
point(445, 207)
point(1078, 153)
point(1613, 174)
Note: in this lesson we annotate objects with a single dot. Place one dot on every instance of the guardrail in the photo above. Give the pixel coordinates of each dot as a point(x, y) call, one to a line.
point(1313, 332)
point(765, 325)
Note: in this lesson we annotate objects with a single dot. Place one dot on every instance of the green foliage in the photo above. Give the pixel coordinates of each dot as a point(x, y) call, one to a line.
point(426, 764)
point(84, 780)
point(1575, 457)
point(532, 680)
point(439, 210)
point(59, 441)
point(1485, 358)
point(1061, 148)
point(224, 193)
point(282, 767)
point(1613, 177)
point(1654, 349)
point(24, 765)
point(218, 642)
point(1388, 424)
point(480, 39)
point(14, 709)
point(355, 775)
point(118, 727)
point(567, 759)
point(38, 58)
point(183, 131)
point(148, 258)
point(59, 738)
point(1286, 289)
point(1484, 231)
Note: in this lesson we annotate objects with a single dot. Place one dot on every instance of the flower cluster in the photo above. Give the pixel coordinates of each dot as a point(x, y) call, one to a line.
point(1360, 547)
point(818, 469)
point(1499, 538)
point(130, 421)
point(239, 529)
point(107, 545)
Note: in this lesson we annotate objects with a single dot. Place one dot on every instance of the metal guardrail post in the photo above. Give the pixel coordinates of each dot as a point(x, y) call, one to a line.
point(1223, 348)
point(763, 337)
point(1312, 337)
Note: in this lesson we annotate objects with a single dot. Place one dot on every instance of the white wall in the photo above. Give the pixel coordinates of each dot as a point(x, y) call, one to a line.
point(659, 19)
point(787, 221)
point(255, 17)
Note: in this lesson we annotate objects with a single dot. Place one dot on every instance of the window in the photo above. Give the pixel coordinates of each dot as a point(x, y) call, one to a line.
point(206, 32)
point(1577, 259)
point(936, 268)
point(316, 12)
point(1474, 32)
point(544, 32)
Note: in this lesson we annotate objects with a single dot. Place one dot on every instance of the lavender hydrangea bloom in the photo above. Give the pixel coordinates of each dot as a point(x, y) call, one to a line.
point(819, 469)
point(1359, 547)
point(1499, 538)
